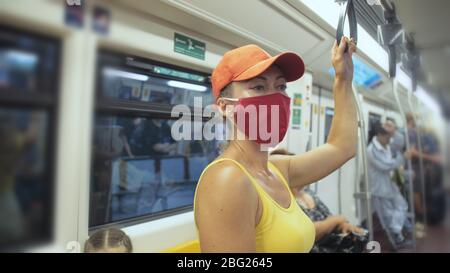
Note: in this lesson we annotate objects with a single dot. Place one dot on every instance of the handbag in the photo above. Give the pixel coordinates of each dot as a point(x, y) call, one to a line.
point(342, 243)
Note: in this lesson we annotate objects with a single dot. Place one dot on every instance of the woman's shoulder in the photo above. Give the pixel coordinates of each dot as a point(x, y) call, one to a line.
point(224, 182)
point(224, 176)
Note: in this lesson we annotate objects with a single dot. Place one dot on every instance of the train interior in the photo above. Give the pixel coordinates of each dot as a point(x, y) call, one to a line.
point(87, 96)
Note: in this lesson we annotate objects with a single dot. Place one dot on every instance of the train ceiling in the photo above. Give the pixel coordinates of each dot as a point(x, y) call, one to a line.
point(429, 23)
point(275, 25)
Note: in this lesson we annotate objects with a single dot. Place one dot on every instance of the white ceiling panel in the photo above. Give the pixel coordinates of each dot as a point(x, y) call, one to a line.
point(259, 20)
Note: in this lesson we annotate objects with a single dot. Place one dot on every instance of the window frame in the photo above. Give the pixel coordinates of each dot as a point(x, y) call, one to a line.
point(106, 106)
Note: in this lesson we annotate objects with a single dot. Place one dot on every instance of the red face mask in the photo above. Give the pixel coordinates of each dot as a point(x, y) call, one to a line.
point(264, 119)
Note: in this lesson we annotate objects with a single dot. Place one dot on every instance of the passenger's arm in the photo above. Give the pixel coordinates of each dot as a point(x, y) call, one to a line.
point(383, 164)
point(347, 228)
point(435, 158)
point(326, 226)
point(226, 209)
point(343, 138)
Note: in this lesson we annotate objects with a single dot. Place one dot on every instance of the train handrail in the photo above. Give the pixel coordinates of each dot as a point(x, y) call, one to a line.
point(362, 131)
point(421, 168)
point(348, 10)
point(408, 146)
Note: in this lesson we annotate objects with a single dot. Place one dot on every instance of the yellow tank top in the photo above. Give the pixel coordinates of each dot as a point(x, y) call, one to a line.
point(280, 229)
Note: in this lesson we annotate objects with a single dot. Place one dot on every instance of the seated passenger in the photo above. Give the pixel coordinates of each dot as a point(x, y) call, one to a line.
point(108, 241)
point(330, 229)
point(387, 201)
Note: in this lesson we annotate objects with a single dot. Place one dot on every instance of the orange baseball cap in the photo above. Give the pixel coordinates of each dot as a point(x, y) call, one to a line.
point(246, 62)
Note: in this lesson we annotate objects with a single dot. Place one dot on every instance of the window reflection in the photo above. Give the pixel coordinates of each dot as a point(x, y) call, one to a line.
point(140, 170)
point(126, 85)
point(24, 210)
point(27, 64)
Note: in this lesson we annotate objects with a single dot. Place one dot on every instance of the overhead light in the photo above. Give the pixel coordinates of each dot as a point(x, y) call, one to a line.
point(124, 74)
point(190, 86)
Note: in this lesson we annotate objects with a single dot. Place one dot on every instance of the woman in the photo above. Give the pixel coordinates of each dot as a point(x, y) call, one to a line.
point(243, 202)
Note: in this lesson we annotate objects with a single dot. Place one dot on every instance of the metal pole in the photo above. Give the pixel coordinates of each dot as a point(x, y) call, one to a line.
point(356, 188)
point(411, 186)
point(316, 185)
point(362, 130)
point(421, 168)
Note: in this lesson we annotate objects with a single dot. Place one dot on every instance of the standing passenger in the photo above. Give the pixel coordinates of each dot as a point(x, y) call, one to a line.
point(387, 200)
point(243, 202)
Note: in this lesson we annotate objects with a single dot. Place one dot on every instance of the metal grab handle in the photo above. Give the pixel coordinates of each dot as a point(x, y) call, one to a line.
point(347, 10)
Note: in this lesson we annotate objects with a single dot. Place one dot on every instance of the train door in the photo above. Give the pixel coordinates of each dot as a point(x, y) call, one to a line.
point(298, 137)
point(328, 187)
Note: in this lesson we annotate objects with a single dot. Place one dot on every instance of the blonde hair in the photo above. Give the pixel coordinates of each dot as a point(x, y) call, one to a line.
point(108, 238)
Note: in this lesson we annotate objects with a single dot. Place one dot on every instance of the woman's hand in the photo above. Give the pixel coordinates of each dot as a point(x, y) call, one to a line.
point(342, 61)
point(347, 228)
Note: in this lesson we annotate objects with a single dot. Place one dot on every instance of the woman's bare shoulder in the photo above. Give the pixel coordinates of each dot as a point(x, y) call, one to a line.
point(226, 209)
point(225, 182)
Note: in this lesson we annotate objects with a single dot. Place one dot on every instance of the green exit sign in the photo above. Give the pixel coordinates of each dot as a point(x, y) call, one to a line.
point(189, 46)
point(296, 117)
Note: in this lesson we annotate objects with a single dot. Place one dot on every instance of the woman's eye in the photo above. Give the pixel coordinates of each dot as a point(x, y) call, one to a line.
point(282, 87)
point(258, 88)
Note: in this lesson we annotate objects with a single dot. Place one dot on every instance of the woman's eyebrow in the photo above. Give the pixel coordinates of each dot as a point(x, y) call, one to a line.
point(259, 78)
point(265, 79)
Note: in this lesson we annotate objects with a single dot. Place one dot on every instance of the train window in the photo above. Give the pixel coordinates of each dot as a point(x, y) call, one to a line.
point(28, 77)
point(133, 79)
point(373, 118)
point(139, 171)
point(27, 64)
point(329, 113)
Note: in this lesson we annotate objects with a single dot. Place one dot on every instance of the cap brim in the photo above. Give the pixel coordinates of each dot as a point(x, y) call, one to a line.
point(290, 64)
